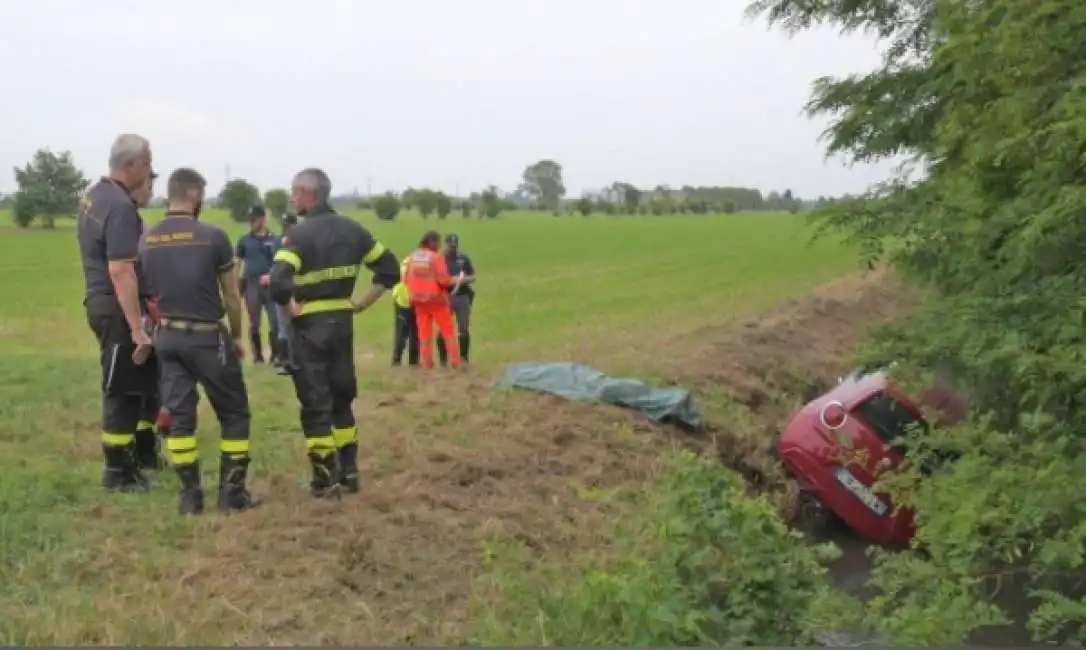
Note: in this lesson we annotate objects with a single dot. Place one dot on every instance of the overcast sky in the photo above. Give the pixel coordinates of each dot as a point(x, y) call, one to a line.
point(438, 93)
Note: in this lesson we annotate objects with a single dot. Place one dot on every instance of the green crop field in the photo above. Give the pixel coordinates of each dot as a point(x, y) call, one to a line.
point(447, 461)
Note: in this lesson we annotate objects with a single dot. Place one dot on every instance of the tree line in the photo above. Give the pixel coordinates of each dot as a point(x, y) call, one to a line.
point(50, 185)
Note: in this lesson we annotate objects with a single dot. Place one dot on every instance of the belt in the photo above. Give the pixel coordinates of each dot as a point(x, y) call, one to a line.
point(323, 306)
point(190, 325)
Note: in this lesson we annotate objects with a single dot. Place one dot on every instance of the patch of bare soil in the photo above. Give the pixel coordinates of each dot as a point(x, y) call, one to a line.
point(394, 564)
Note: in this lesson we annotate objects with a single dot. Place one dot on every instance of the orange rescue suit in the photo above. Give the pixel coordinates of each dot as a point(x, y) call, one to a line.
point(427, 277)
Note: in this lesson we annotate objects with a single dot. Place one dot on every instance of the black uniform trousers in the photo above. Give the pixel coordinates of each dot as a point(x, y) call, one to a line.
point(461, 304)
point(129, 391)
point(207, 358)
point(325, 381)
point(406, 335)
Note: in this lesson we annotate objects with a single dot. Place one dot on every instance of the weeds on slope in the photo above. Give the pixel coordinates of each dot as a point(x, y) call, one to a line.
point(693, 561)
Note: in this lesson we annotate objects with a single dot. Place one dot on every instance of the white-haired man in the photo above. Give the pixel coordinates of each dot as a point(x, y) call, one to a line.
point(109, 229)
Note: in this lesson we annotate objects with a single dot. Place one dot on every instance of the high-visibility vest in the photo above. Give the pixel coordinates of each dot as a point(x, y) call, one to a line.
point(400, 295)
point(426, 277)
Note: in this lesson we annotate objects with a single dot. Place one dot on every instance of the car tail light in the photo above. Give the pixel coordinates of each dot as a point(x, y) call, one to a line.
point(833, 415)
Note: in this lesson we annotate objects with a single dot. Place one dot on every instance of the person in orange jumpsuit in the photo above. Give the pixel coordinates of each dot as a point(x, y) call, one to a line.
point(427, 279)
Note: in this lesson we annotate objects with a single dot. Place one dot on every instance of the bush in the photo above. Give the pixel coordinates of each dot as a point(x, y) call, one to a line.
point(443, 205)
point(696, 562)
point(387, 207)
point(22, 210)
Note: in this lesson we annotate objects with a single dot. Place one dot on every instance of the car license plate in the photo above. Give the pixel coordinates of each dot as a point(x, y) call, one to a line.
point(860, 491)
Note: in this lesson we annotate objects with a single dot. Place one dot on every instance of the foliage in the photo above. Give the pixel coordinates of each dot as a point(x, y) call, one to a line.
point(22, 210)
point(426, 202)
point(465, 209)
point(387, 206)
point(491, 202)
point(237, 196)
point(584, 206)
point(443, 204)
point(988, 101)
point(542, 181)
point(409, 199)
point(695, 563)
point(276, 202)
point(49, 187)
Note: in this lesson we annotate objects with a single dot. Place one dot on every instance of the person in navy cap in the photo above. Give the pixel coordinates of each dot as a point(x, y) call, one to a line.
point(254, 252)
point(461, 296)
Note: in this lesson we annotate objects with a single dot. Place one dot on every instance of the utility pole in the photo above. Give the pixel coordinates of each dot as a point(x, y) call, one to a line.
point(369, 186)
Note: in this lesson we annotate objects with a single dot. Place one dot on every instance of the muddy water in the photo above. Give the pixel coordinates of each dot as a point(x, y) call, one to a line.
point(852, 571)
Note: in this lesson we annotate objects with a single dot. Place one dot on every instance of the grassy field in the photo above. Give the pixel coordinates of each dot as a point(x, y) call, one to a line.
point(448, 462)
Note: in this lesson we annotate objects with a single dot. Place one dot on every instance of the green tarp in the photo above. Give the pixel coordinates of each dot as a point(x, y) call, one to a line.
point(581, 383)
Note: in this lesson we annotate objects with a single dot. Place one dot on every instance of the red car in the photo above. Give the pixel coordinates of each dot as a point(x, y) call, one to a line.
point(860, 416)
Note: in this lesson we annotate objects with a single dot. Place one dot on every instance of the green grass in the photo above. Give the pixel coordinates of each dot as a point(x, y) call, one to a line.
point(79, 566)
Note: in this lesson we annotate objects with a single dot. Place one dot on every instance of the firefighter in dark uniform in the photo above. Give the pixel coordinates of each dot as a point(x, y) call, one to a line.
point(461, 296)
point(109, 228)
point(314, 277)
point(187, 264)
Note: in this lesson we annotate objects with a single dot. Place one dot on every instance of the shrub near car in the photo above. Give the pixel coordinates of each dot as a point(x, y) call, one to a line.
point(837, 444)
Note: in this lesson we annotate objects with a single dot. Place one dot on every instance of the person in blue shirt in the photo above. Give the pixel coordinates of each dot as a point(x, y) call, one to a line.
point(255, 251)
point(286, 359)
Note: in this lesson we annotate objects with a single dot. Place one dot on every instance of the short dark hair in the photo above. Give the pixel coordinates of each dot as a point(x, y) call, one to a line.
point(431, 238)
point(182, 181)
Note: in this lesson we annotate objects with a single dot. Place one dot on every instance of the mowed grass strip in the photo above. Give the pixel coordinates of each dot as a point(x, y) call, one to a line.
point(609, 291)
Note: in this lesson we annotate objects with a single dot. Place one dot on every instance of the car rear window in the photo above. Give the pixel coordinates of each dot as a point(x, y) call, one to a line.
point(890, 419)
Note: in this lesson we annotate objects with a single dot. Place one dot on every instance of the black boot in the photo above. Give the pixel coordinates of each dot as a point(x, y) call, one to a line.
point(325, 483)
point(192, 495)
point(120, 473)
point(233, 495)
point(274, 356)
point(348, 467)
point(148, 451)
point(442, 353)
point(465, 347)
point(286, 360)
point(254, 343)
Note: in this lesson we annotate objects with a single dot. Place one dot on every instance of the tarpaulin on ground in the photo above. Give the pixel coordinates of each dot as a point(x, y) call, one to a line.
point(581, 383)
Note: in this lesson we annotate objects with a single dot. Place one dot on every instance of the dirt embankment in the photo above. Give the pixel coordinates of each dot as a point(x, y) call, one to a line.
point(394, 565)
point(754, 374)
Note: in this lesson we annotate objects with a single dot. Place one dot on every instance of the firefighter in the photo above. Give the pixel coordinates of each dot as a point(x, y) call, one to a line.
point(314, 277)
point(109, 229)
point(428, 282)
point(187, 263)
point(405, 332)
point(255, 251)
point(461, 296)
